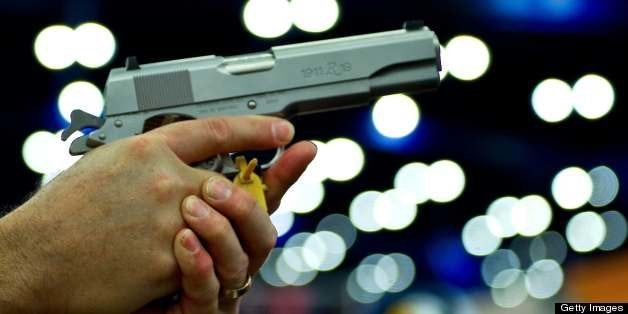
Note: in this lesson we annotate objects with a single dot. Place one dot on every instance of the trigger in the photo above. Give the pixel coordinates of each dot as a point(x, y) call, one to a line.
point(273, 161)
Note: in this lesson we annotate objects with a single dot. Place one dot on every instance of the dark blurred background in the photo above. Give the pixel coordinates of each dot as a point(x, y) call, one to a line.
point(519, 255)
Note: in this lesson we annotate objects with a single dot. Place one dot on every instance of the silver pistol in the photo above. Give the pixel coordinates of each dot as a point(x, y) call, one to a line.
point(284, 81)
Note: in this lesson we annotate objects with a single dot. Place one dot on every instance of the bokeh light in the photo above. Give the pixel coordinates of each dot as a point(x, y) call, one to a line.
point(267, 18)
point(443, 60)
point(501, 210)
point(268, 272)
point(368, 280)
point(407, 272)
point(35, 152)
point(447, 181)
point(90, 44)
point(324, 250)
point(80, 95)
point(315, 16)
point(379, 273)
point(394, 210)
point(362, 211)
point(572, 188)
point(45, 153)
point(55, 47)
point(477, 237)
point(586, 231)
point(511, 288)
point(95, 45)
point(544, 279)
point(291, 276)
point(340, 225)
point(293, 254)
point(303, 197)
point(497, 262)
point(60, 157)
point(340, 159)
point(396, 116)
point(593, 96)
point(531, 215)
point(388, 273)
point(616, 230)
point(552, 100)
point(357, 293)
point(468, 57)
point(283, 221)
point(316, 171)
point(548, 245)
point(293, 264)
point(371, 278)
point(605, 186)
point(345, 159)
point(413, 179)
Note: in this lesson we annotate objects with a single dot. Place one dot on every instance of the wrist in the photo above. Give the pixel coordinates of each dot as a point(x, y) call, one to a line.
point(12, 294)
point(21, 277)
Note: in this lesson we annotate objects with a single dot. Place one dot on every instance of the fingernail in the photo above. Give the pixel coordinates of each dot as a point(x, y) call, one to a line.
point(315, 147)
point(190, 242)
point(283, 131)
point(196, 207)
point(218, 189)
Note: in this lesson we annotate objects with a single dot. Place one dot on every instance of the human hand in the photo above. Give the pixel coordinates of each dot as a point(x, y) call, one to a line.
point(99, 237)
point(236, 236)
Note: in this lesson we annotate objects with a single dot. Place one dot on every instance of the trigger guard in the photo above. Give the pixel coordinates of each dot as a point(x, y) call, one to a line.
point(273, 161)
point(214, 164)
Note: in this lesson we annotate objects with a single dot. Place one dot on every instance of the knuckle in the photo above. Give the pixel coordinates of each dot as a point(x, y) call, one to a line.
point(189, 187)
point(165, 187)
point(164, 225)
point(237, 271)
point(205, 268)
point(200, 286)
point(218, 130)
point(244, 204)
point(202, 293)
point(141, 147)
point(264, 247)
point(163, 267)
point(219, 229)
point(269, 243)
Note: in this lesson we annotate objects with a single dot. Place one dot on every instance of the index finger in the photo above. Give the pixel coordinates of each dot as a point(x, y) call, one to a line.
point(285, 172)
point(198, 140)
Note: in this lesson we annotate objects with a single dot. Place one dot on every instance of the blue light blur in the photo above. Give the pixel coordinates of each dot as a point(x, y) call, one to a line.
point(51, 118)
point(540, 10)
point(450, 263)
point(550, 15)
